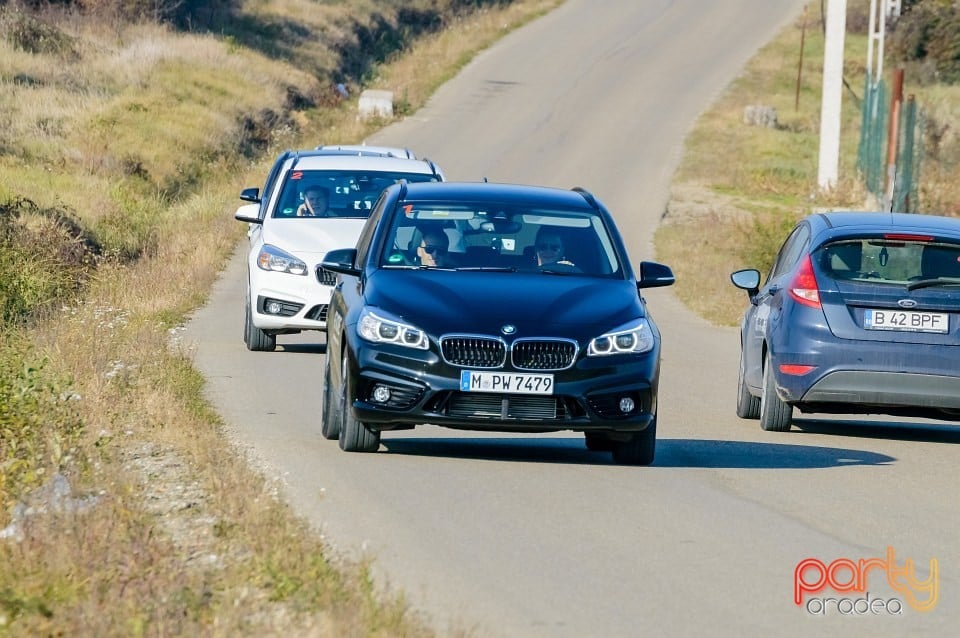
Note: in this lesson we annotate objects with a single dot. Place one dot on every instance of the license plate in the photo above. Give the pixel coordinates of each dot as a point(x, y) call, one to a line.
point(505, 382)
point(909, 320)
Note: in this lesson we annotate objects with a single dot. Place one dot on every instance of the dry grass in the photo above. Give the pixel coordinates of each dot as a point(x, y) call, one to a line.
point(167, 530)
point(725, 215)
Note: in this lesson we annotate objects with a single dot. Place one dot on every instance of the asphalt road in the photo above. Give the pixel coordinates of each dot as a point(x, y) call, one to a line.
point(517, 535)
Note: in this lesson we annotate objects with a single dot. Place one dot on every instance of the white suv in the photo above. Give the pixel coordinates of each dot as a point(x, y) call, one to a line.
point(287, 291)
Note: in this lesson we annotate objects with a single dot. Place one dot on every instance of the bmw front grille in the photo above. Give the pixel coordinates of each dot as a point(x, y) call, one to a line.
point(474, 352)
point(478, 351)
point(543, 354)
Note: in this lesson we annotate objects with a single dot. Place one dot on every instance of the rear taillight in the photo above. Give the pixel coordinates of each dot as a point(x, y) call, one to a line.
point(803, 287)
point(795, 369)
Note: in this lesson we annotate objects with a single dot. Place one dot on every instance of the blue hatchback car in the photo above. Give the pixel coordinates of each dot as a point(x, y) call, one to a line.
point(860, 314)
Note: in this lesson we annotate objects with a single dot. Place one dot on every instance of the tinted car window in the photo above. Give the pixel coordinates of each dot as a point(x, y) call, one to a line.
point(485, 235)
point(366, 235)
point(351, 193)
point(880, 260)
point(792, 249)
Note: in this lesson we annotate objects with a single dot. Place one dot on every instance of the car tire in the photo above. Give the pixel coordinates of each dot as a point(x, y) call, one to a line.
point(775, 415)
point(355, 436)
point(639, 449)
point(256, 339)
point(598, 442)
point(748, 406)
point(331, 417)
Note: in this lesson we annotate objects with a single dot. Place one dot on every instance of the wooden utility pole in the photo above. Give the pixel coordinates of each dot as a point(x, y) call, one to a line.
point(803, 36)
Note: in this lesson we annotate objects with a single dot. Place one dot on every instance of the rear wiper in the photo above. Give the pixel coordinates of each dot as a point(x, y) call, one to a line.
point(939, 281)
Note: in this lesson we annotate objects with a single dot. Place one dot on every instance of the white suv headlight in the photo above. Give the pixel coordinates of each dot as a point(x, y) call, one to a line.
point(276, 260)
point(634, 337)
point(377, 329)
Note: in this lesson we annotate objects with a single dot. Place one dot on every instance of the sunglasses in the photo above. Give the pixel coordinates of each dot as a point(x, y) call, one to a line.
point(553, 247)
point(434, 250)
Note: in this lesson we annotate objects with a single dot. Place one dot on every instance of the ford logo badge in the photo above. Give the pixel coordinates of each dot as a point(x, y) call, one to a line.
point(907, 303)
point(508, 329)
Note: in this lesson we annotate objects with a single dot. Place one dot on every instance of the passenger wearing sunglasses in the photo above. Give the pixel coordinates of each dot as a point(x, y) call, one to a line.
point(434, 250)
point(549, 249)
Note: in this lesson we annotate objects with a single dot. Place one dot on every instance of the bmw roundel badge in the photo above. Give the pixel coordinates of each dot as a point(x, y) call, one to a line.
point(508, 329)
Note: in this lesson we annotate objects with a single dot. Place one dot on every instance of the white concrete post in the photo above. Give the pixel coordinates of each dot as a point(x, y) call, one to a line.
point(832, 93)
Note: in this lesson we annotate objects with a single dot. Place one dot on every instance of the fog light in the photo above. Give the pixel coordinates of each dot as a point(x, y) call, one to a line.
point(273, 308)
point(627, 405)
point(381, 394)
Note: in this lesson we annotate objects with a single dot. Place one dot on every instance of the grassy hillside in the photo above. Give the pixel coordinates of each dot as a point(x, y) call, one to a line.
point(123, 145)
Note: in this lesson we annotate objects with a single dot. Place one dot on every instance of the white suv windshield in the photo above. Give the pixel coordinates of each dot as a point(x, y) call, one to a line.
point(348, 193)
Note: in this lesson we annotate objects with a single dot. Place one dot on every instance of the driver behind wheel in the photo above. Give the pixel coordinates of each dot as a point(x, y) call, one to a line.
point(315, 202)
point(549, 248)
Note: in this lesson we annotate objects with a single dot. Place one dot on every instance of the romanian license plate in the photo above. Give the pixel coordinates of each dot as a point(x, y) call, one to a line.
point(505, 382)
point(909, 320)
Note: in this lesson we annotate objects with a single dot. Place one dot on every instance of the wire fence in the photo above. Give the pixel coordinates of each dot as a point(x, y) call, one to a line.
point(896, 186)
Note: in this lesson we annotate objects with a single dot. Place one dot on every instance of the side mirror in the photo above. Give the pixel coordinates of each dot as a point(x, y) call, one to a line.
point(341, 261)
point(654, 275)
point(249, 213)
point(747, 279)
point(251, 194)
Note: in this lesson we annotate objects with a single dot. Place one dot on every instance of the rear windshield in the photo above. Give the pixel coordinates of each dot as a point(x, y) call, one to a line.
point(881, 260)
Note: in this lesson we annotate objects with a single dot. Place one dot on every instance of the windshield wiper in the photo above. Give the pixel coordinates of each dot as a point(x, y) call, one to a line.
point(939, 281)
point(488, 268)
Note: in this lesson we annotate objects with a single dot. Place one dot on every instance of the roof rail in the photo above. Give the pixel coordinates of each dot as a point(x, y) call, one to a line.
point(361, 149)
point(588, 196)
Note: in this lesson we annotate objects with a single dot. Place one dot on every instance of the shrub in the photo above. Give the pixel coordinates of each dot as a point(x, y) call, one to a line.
point(28, 33)
point(45, 256)
point(39, 429)
point(929, 32)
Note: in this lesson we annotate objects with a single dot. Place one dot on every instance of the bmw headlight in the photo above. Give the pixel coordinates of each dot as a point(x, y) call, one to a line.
point(276, 260)
point(634, 337)
point(379, 329)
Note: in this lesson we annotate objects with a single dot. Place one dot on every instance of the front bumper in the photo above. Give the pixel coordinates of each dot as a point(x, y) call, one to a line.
point(303, 301)
point(425, 389)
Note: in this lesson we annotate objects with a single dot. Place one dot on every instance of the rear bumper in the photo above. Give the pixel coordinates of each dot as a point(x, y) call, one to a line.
point(894, 389)
point(849, 372)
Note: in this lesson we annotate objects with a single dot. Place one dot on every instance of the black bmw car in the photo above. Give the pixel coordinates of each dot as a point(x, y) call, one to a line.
point(495, 307)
